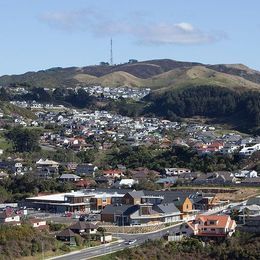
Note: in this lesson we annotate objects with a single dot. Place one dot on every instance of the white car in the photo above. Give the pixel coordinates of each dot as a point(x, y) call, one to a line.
point(130, 242)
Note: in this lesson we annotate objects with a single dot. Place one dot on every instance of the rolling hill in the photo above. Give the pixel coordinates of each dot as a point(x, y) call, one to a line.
point(158, 74)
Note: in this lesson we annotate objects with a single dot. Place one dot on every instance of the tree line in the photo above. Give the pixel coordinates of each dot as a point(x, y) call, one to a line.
point(209, 101)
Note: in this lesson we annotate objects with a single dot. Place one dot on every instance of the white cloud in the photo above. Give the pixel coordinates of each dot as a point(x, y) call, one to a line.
point(181, 33)
point(143, 31)
point(185, 26)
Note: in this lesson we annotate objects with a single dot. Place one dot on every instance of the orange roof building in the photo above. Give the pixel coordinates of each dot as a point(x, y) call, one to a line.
point(213, 226)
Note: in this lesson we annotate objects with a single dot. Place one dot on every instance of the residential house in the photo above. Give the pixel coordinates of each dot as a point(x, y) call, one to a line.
point(142, 173)
point(213, 226)
point(249, 150)
point(253, 201)
point(38, 223)
point(208, 202)
point(247, 212)
point(185, 205)
point(167, 182)
point(82, 227)
point(84, 183)
point(146, 214)
point(86, 170)
point(176, 171)
point(67, 236)
point(47, 168)
point(229, 148)
point(116, 173)
point(9, 218)
point(69, 177)
point(133, 198)
point(128, 183)
point(215, 178)
point(104, 181)
point(246, 174)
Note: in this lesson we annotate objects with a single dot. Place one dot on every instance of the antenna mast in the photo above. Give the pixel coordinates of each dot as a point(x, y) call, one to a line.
point(111, 51)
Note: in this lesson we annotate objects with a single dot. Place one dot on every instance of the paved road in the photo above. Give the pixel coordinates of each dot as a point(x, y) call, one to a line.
point(120, 245)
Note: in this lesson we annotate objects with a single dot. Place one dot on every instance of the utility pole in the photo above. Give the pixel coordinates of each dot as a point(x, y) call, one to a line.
point(111, 52)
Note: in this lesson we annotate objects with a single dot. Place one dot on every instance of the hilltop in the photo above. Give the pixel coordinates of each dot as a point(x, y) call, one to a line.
point(157, 74)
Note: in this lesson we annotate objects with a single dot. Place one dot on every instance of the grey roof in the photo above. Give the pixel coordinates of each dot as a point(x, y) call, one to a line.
point(173, 196)
point(136, 194)
point(69, 176)
point(117, 209)
point(252, 180)
point(254, 201)
point(166, 208)
point(167, 180)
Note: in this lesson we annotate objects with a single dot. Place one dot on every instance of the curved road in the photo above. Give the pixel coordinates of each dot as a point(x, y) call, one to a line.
point(89, 253)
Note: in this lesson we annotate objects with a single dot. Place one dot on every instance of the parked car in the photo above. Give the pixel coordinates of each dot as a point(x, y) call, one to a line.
point(83, 218)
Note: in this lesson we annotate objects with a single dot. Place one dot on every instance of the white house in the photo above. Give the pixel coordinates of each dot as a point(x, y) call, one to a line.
point(9, 218)
point(247, 151)
point(176, 171)
point(38, 223)
point(126, 183)
point(246, 174)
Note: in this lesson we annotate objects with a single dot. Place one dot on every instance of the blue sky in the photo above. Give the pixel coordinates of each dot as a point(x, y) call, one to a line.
point(40, 34)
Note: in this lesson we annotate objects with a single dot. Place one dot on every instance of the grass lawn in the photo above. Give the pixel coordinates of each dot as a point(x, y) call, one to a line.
point(4, 144)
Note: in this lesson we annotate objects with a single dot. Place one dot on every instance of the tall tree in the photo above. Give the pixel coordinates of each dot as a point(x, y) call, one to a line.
point(23, 139)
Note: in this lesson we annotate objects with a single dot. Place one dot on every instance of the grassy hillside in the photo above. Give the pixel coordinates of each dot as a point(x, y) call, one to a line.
point(200, 75)
point(176, 78)
point(11, 110)
point(157, 74)
point(114, 79)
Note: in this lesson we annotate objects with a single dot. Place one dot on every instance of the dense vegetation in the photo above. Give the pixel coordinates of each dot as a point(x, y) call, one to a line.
point(21, 241)
point(244, 246)
point(23, 139)
point(155, 159)
point(17, 188)
point(209, 101)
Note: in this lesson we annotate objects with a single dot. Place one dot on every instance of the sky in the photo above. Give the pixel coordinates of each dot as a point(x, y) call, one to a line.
point(41, 34)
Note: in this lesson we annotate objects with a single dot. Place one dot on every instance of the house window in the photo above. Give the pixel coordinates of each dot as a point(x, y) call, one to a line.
point(213, 229)
point(187, 206)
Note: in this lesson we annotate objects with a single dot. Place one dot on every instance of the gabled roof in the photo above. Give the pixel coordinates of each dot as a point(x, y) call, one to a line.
point(80, 225)
point(222, 220)
point(66, 233)
point(46, 162)
point(167, 208)
point(136, 194)
point(179, 201)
